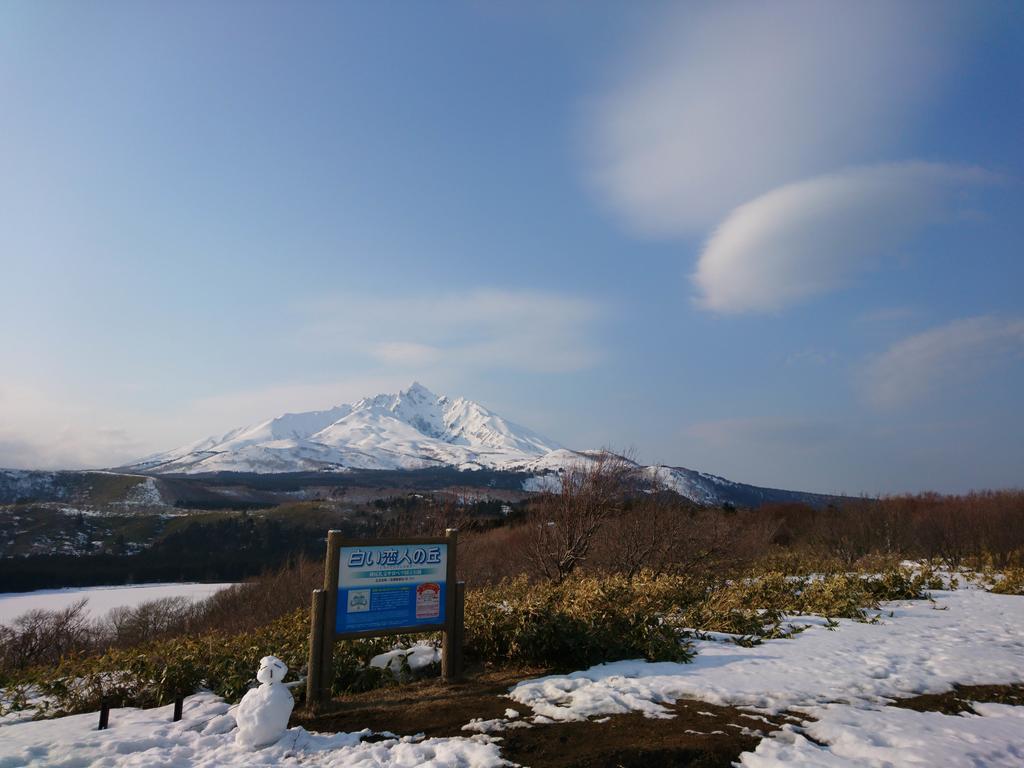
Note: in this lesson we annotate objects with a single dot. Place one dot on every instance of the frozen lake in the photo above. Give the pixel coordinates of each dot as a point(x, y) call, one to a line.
point(101, 599)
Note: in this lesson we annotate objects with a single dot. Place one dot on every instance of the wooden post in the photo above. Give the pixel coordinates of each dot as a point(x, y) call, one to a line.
point(179, 704)
point(460, 628)
point(104, 714)
point(449, 651)
point(329, 616)
point(314, 679)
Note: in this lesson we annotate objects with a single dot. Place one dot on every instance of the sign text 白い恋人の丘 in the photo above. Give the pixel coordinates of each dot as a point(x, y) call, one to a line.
point(384, 587)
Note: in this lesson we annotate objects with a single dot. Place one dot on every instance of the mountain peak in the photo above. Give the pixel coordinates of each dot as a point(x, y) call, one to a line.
point(414, 428)
point(419, 390)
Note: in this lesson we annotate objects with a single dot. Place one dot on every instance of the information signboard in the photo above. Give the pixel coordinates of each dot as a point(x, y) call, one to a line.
point(390, 587)
point(385, 587)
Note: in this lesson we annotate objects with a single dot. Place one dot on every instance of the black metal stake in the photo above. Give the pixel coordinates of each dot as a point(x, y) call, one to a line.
point(179, 702)
point(104, 714)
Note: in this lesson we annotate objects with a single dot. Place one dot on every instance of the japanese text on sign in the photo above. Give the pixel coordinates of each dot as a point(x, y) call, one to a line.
point(385, 587)
point(429, 555)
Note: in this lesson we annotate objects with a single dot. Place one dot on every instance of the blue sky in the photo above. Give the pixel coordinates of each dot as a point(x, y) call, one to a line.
point(781, 243)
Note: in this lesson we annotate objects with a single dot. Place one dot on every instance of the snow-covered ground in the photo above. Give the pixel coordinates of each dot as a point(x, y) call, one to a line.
point(843, 677)
point(102, 600)
point(855, 737)
point(836, 683)
point(419, 657)
point(204, 738)
point(964, 636)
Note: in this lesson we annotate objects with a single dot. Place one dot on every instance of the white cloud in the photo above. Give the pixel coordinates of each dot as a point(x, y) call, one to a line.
point(472, 331)
point(719, 105)
point(950, 357)
point(43, 428)
point(810, 237)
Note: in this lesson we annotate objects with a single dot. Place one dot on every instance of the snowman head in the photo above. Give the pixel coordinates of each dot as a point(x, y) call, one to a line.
point(272, 670)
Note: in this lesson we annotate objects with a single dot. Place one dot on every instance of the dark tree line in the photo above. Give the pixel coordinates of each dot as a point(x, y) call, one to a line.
point(229, 549)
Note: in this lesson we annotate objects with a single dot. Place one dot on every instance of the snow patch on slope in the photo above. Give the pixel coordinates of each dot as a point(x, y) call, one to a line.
point(145, 494)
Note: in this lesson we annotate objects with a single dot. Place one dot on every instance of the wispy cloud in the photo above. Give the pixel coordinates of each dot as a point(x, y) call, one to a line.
point(810, 237)
point(45, 427)
point(480, 329)
point(949, 357)
point(718, 106)
point(41, 428)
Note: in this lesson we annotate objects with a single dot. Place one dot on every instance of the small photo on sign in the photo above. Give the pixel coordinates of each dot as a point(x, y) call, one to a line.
point(358, 600)
point(428, 601)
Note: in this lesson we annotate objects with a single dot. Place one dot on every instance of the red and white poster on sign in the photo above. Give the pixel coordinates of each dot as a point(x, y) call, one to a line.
point(428, 601)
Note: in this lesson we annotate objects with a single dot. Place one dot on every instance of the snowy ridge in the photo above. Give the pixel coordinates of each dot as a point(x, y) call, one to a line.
point(412, 429)
point(698, 487)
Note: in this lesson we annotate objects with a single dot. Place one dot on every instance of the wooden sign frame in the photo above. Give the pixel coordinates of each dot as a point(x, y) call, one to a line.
point(323, 614)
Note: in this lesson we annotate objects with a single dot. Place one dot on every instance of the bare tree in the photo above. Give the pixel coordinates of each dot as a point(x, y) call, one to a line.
point(128, 625)
point(645, 534)
point(563, 524)
point(43, 637)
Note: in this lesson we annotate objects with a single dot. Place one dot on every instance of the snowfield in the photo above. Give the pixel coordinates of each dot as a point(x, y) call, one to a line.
point(879, 738)
point(204, 738)
point(842, 677)
point(102, 600)
point(836, 682)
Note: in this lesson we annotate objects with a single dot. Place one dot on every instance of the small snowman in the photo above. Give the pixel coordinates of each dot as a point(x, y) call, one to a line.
point(262, 715)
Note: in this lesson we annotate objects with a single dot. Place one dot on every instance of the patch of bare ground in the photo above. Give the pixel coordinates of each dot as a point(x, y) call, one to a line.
point(959, 700)
point(700, 735)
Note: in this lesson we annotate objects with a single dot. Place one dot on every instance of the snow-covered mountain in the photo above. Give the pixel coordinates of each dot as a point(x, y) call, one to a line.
point(413, 429)
point(416, 429)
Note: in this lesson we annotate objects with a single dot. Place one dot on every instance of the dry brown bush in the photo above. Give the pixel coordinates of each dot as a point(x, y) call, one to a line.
point(490, 555)
point(260, 601)
point(950, 529)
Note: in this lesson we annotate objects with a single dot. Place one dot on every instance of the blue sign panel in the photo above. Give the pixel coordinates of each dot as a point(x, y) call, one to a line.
point(387, 587)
